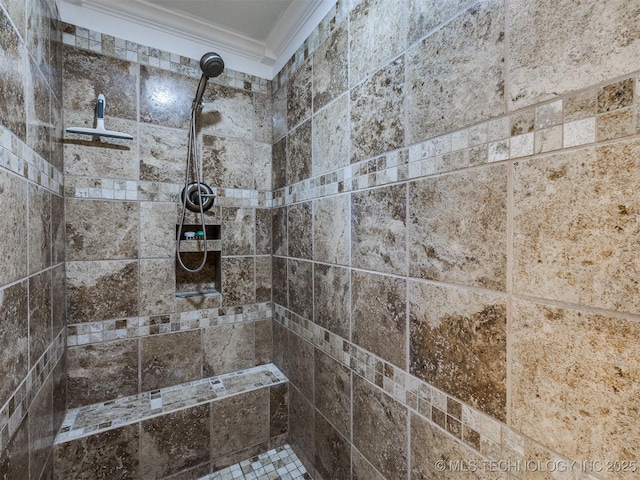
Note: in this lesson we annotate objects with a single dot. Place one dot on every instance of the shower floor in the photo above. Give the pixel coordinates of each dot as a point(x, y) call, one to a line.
point(278, 464)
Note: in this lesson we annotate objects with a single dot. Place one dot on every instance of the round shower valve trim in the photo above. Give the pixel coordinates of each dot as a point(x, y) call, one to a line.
point(195, 196)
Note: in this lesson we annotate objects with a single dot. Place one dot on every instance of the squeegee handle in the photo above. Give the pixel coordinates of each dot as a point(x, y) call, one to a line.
point(100, 113)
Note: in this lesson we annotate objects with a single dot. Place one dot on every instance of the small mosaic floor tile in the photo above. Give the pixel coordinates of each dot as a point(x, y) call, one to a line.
point(278, 464)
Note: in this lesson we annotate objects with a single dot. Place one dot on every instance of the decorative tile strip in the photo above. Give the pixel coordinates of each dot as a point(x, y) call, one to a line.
point(99, 417)
point(14, 410)
point(489, 437)
point(134, 52)
point(18, 158)
point(543, 129)
point(134, 327)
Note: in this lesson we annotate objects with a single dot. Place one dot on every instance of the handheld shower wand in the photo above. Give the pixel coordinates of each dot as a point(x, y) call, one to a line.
point(197, 196)
point(211, 65)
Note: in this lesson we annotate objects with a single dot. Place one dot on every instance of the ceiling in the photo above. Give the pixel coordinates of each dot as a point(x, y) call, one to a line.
point(253, 36)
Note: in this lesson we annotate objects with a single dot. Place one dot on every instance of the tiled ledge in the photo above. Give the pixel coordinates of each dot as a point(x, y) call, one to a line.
point(88, 420)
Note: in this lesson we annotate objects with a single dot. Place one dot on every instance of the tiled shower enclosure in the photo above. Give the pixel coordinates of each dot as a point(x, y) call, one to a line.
point(428, 236)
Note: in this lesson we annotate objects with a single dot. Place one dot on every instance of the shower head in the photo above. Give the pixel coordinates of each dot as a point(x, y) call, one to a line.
point(211, 65)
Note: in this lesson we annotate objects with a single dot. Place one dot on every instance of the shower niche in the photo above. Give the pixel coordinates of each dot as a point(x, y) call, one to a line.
point(206, 282)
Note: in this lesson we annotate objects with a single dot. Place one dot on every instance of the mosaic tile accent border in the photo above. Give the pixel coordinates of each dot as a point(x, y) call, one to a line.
point(13, 411)
point(134, 52)
point(281, 463)
point(577, 120)
point(122, 189)
point(18, 158)
point(487, 436)
point(100, 417)
point(134, 327)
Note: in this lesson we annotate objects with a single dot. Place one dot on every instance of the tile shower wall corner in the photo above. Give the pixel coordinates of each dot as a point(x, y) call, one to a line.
point(470, 173)
point(32, 256)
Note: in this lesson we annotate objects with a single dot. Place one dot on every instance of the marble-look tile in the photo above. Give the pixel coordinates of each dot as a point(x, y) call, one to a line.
point(585, 404)
point(454, 67)
point(263, 279)
point(279, 114)
point(109, 455)
point(239, 422)
point(206, 280)
point(279, 222)
point(376, 33)
point(165, 97)
point(39, 229)
point(157, 286)
point(262, 166)
point(58, 299)
point(301, 423)
point(37, 38)
point(170, 359)
point(333, 392)
point(12, 79)
point(280, 286)
point(14, 459)
point(300, 364)
point(458, 343)
point(101, 372)
point(299, 229)
point(299, 95)
point(17, 13)
point(101, 230)
point(330, 143)
point(174, 442)
point(280, 347)
point(300, 286)
point(331, 229)
point(157, 229)
point(362, 469)
point(372, 133)
point(227, 348)
point(378, 229)
point(380, 429)
point(263, 231)
point(238, 281)
point(41, 433)
point(227, 112)
point(545, 62)
point(263, 109)
point(332, 298)
point(430, 446)
point(58, 229)
point(379, 315)
point(39, 125)
point(40, 315)
point(575, 227)
point(331, 68)
point(59, 392)
point(278, 409)
point(163, 153)
point(227, 162)
point(14, 223)
point(425, 16)
point(85, 78)
point(299, 153)
point(14, 335)
point(264, 341)
point(332, 451)
point(279, 164)
point(463, 239)
point(238, 225)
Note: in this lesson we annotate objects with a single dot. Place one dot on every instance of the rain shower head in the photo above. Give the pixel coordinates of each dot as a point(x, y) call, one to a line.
point(211, 65)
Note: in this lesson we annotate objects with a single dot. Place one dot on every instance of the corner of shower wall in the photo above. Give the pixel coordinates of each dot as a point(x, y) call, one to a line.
point(32, 273)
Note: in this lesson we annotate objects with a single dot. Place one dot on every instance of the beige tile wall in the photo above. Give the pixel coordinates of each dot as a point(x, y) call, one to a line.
point(474, 265)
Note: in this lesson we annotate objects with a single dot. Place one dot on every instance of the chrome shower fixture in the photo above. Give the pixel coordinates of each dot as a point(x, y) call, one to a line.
point(211, 65)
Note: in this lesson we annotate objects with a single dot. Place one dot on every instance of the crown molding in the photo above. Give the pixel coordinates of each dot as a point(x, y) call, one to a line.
point(158, 27)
